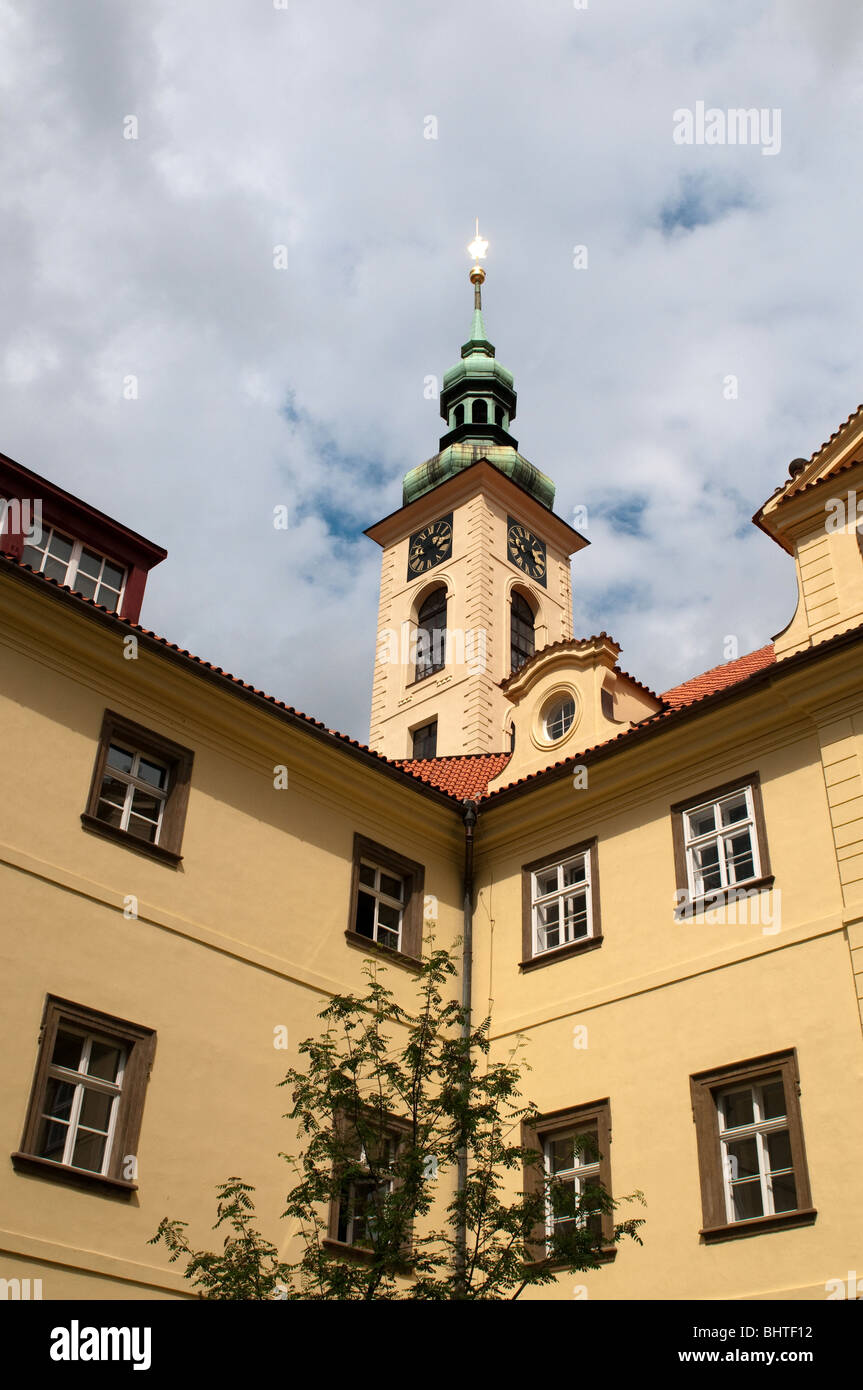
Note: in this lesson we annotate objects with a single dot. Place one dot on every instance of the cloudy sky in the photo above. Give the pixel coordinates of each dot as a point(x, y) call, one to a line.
point(302, 125)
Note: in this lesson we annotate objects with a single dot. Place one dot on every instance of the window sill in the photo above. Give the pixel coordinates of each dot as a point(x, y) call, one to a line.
point(421, 680)
point(714, 902)
point(573, 948)
point(734, 1230)
point(359, 1253)
point(606, 1256)
point(355, 938)
point(75, 1177)
point(122, 837)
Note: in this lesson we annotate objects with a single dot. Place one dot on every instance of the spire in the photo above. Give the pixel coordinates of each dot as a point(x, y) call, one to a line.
point(477, 401)
point(478, 340)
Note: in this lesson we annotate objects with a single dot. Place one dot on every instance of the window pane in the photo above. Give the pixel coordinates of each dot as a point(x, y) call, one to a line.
point(738, 856)
point(779, 1150)
point(120, 758)
point(89, 1151)
point(772, 1099)
point(108, 812)
point(701, 822)
point(548, 926)
point(96, 1109)
point(85, 586)
point(707, 872)
point(367, 875)
point(90, 564)
point(365, 923)
point(51, 1140)
point(154, 773)
point(746, 1200)
point(104, 1061)
point(113, 576)
point(734, 809)
point(108, 598)
point(56, 569)
point(391, 886)
point(562, 1154)
point(58, 1098)
point(588, 1148)
point(142, 829)
point(575, 915)
point(563, 1199)
point(546, 882)
point(784, 1193)
point(738, 1108)
point(145, 805)
point(67, 1049)
point(742, 1158)
point(574, 872)
point(32, 557)
point(60, 548)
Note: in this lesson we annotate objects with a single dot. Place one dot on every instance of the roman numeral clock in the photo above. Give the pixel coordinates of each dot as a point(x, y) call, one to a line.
point(527, 551)
point(430, 546)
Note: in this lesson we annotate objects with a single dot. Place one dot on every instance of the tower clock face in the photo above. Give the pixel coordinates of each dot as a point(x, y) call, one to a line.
point(527, 551)
point(430, 546)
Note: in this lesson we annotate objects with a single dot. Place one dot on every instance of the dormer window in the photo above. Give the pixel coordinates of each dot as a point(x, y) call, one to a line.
point(558, 718)
point(72, 563)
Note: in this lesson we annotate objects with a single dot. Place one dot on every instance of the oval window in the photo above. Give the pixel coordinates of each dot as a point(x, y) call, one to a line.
point(559, 717)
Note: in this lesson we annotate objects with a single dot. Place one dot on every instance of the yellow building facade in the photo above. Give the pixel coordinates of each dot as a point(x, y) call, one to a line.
point(668, 888)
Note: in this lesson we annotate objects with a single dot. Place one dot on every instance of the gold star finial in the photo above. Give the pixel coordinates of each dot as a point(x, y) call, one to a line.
point(479, 246)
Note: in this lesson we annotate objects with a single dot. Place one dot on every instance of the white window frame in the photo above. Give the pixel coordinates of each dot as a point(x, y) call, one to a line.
point(380, 897)
point(694, 843)
point(78, 548)
point(539, 900)
point(559, 701)
point(83, 1082)
point(758, 1128)
point(135, 783)
point(583, 1174)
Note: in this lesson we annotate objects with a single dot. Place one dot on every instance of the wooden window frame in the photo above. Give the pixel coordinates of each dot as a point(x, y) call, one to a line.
point(413, 874)
point(529, 961)
point(395, 1129)
point(704, 1087)
point(717, 896)
point(555, 1123)
point(140, 1045)
point(117, 728)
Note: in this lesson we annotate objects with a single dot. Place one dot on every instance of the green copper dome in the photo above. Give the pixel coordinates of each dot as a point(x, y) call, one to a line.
point(455, 458)
point(478, 401)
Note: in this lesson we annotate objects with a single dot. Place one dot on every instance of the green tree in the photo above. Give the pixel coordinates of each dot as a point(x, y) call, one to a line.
point(387, 1104)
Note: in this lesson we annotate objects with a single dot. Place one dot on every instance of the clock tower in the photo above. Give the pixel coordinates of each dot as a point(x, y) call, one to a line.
point(475, 574)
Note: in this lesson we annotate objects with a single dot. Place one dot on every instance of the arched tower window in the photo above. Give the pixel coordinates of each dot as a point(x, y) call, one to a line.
point(458, 414)
point(498, 415)
point(479, 413)
point(431, 634)
point(522, 634)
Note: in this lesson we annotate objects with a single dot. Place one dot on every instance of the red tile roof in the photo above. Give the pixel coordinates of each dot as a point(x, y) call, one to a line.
point(719, 677)
point(467, 775)
point(459, 776)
